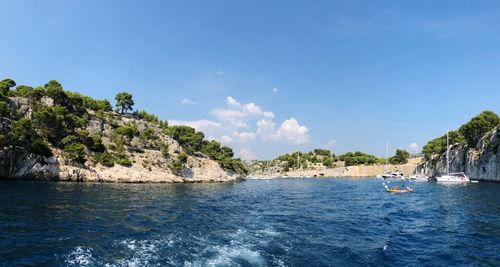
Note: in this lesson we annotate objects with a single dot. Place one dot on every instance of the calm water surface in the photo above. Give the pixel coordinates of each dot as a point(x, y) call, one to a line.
point(286, 222)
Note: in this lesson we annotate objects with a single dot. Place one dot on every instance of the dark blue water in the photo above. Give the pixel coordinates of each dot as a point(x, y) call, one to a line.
point(303, 222)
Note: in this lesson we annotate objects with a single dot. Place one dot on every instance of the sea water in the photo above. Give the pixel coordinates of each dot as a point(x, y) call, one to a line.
point(281, 222)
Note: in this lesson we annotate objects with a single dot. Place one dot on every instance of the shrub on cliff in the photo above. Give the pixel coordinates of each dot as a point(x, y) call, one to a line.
point(188, 137)
point(4, 109)
point(39, 147)
point(105, 159)
point(124, 161)
point(469, 133)
point(183, 157)
point(148, 134)
point(129, 130)
point(143, 115)
point(176, 167)
point(438, 145)
point(21, 133)
point(164, 149)
point(5, 86)
point(478, 126)
point(74, 152)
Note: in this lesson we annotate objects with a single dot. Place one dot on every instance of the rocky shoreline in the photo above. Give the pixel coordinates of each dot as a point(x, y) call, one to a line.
point(25, 166)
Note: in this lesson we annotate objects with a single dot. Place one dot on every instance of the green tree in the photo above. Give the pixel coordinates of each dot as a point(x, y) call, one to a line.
point(401, 157)
point(124, 102)
point(55, 91)
point(21, 133)
point(5, 86)
point(4, 108)
point(322, 152)
point(328, 162)
point(183, 157)
point(164, 149)
point(187, 137)
point(478, 126)
point(75, 152)
point(106, 159)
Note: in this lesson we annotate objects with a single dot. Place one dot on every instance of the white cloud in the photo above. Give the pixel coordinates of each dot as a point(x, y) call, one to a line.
point(275, 89)
point(244, 137)
point(331, 143)
point(226, 139)
point(187, 101)
point(236, 114)
point(413, 147)
point(246, 154)
point(265, 128)
point(235, 118)
point(239, 123)
point(290, 131)
point(230, 101)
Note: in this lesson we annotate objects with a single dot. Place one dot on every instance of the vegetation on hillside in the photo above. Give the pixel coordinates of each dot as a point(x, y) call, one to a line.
point(300, 160)
point(468, 134)
point(401, 157)
point(359, 158)
point(58, 119)
point(323, 157)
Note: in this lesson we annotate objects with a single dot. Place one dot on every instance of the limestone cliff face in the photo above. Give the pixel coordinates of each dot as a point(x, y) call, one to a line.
point(481, 163)
point(149, 164)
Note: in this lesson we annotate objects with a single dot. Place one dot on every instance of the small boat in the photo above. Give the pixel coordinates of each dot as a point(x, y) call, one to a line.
point(391, 175)
point(407, 190)
point(419, 178)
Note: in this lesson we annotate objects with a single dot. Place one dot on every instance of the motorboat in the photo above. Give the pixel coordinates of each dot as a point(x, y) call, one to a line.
point(391, 175)
point(419, 178)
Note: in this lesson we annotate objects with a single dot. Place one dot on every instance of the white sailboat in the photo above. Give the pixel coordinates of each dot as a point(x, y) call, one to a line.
point(457, 177)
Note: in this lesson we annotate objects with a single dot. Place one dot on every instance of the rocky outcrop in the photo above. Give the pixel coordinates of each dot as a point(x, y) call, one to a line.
point(25, 166)
point(479, 163)
point(22, 165)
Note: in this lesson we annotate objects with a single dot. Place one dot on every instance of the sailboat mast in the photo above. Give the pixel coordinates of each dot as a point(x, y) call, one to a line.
point(448, 152)
point(386, 152)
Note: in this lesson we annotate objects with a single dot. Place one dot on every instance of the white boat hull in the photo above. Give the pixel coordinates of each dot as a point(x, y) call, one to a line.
point(452, 179)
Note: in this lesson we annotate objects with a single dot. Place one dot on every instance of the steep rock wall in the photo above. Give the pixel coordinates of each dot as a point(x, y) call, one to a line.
point(481, 163)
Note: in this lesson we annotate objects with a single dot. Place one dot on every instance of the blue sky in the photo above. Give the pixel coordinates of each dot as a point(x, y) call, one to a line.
point(268, 77)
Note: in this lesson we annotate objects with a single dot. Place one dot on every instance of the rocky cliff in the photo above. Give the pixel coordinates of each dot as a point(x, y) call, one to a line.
point(52, 138)
point(479, 163)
